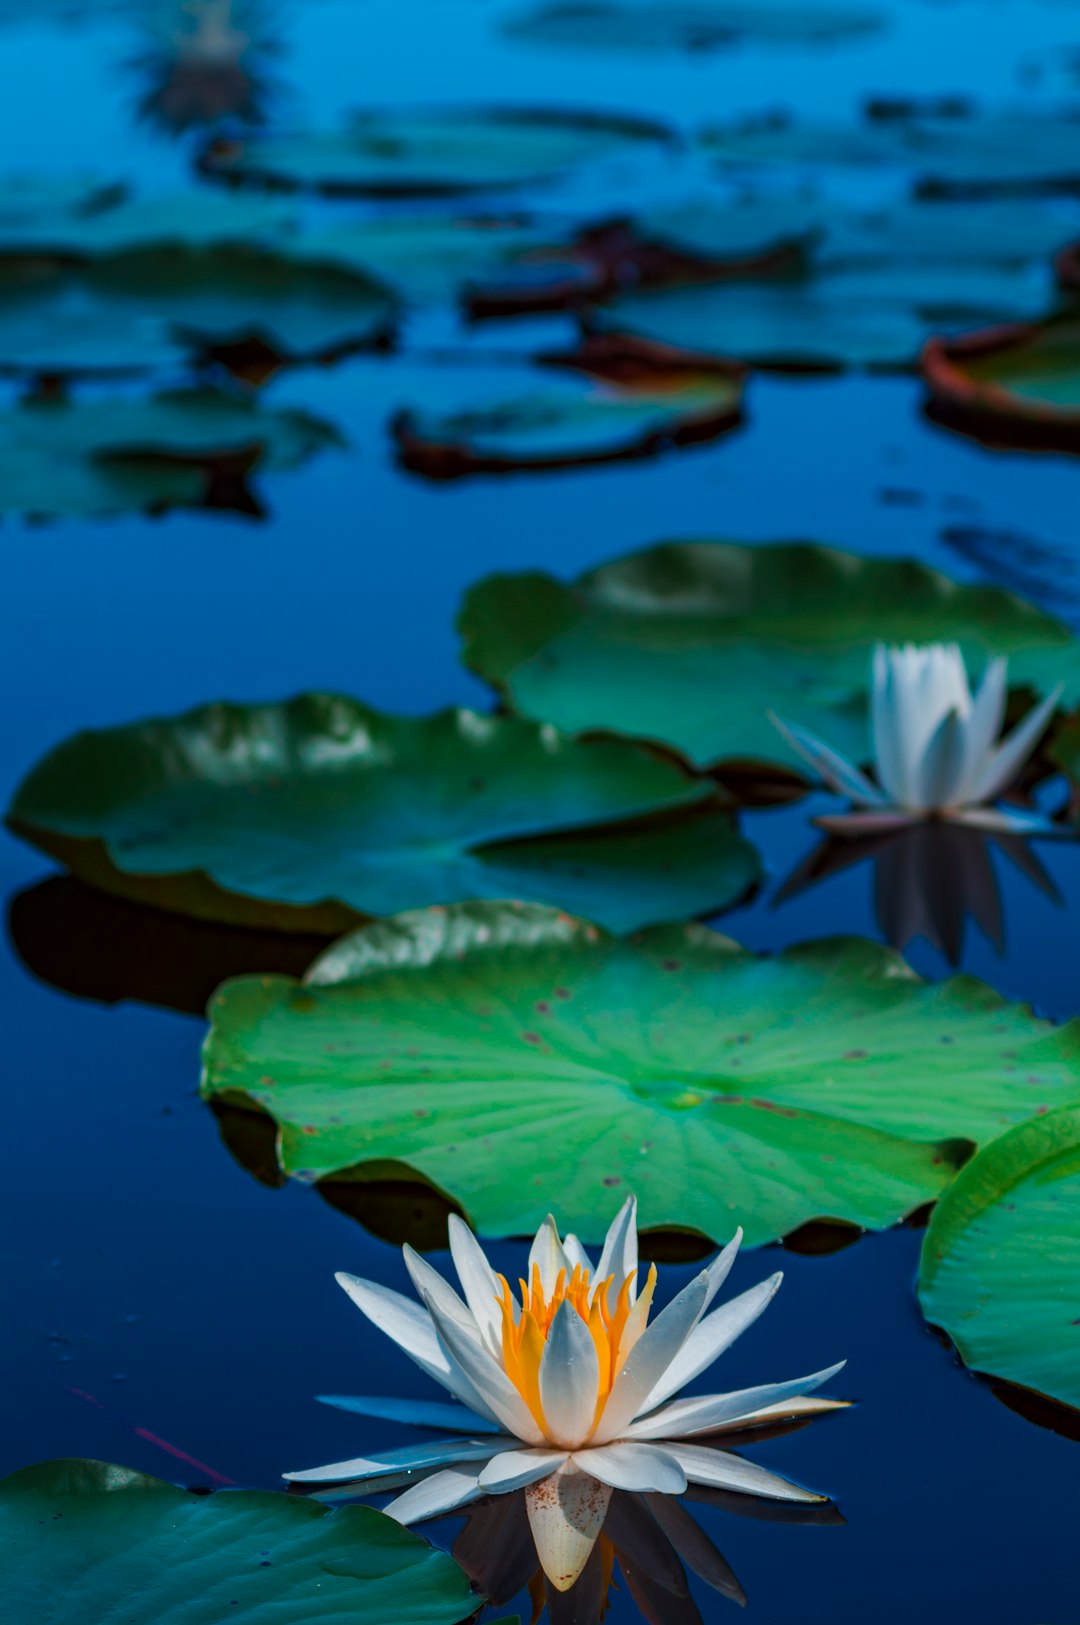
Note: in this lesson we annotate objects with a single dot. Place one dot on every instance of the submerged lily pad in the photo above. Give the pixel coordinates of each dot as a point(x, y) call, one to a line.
point(694, 25)
point(1017, 386)
point(691, 644)
point(136, 1549)
point(308, 814)
point(1000, 1269)
point(620, 398)
point(501, 1050)
point(183, 448)
point(404, 152)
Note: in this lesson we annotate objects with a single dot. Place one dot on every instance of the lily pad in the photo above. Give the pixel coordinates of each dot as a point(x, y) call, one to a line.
point(136, 1549)
point(1000, 1269)
point(75, 220)
point(694, 25)
point(307, 814)
point(691, 644)
point(501, 1051)
point(31, 202)
point(40, 340)
point(620, 398)
point(403, 152)
point(1018, 386)
point(185, 448)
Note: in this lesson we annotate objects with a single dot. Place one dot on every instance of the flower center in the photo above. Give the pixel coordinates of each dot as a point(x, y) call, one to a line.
point(614, 1330)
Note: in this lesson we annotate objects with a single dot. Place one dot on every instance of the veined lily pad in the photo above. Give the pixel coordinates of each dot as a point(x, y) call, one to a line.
point(498, 1049)
point(118, 1545)
point(405, 152)
point(185, 448)
point(691, 644)
point(308, 814)
point(694, 25)
point(622, 398)
point(1000, 1268)
point(1014, 387)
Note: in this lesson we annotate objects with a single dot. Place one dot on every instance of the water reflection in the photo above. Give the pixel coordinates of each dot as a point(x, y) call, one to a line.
point(929, 879)
point(205, 62)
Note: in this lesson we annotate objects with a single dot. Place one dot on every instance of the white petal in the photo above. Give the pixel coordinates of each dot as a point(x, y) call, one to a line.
point(517, 1469)
point(419, 1413)
point(650, 1358)
point(711, 1336)
point(984, 724)
point(620, 1255)
point(632, 1466)
point(436, 1291)
point(569, 1378)
point(721, 1470)
point(1006, 762)
point(576, 1256)
point(468, 1359)
point(720, 1268)
point(852, 825)
point(942, 766)
point(436, 1496)
point(408, 1459)
point(833, 769)
point(1012, 821)
point(704, 1413)
point(408, 1323)
point(566, 1514)
point(790, 1409)
point(478, 1282)
point(887, 756)
point(546, 1254)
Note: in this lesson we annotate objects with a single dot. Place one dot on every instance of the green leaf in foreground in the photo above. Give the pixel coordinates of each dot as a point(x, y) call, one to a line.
point(112, 1544)
point(1000, 1268)
point(305, 815)
point(691, 644)
point(518, 1058)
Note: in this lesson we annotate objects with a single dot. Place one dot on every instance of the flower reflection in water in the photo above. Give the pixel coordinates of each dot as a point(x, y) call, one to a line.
point(928, 880)
point(206, 62)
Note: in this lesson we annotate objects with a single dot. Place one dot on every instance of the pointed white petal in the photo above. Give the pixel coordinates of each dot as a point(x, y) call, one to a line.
point(620, 1255)
point(809, 1405)
point(436, 1496)
point(633, 1466)
point(720, 1268)
point(650, 1357)
point(419, 1413)
point(469, 1360)
point(408, 1459)
point(546, 1254)
point(852, 825)
point(724, 1471)
point(1010, 756)
point(569, 1378)
point(1012, 821)
point(408, 1323)
point(833, 769)
point(704, 1413)
point(711, 1336)
point(942, 765)
point(566, 1514)
point(478, 1282)
point(887, 758)
point(435, 1290)
point(576, 1256)
point(983, 724)
point(517, 1469)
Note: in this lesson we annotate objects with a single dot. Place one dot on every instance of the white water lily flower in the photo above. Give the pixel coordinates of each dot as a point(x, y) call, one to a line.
point(937, 752)
point(566, 1391)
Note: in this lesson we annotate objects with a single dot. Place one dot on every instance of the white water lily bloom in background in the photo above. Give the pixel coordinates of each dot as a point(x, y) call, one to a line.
point(937, 750)
point(565, 1390)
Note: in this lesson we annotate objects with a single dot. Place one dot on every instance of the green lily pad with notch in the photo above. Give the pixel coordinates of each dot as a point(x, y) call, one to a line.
point(110, 456)
point(693, 25)
point(408, 152)
point(1000, 1267)
point(690, 644)
point(1016, 386)
point(123, 1546)
point(521, 1061)
point(308, 814)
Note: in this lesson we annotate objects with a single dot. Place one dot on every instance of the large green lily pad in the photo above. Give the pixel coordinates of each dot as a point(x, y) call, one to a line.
point(691, 644)
point(518, 1058)
point(113, 1544)
point(175, 449)
point(404, 152)
point(307, 814)
point(693, 25)
point(1000, 1269)
point(1016, 386)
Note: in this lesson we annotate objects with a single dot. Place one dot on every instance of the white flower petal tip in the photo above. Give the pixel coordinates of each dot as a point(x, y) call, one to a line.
point(566, 1514)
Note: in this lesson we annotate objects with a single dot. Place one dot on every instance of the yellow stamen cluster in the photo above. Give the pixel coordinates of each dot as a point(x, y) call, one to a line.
point(613, 1331)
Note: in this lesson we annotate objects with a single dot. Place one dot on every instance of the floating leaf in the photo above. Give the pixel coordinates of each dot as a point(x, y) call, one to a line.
point(1000, 1269)
point(184, 448)
point(40, 339)
point(33, 202)
point(307, 814)
point(623, 398)
point(693, 25)
point(74, 221)
point(135, 1549)
point(691, 644)
point(403, 152)
point(502, 1051)
point(1017, 387)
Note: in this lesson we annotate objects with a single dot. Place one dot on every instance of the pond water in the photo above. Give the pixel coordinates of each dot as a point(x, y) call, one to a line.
point(161, 1301)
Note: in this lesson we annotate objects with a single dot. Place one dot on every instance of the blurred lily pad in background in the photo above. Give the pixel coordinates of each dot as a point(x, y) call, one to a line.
point(1000, 1268)
point(691, 644)
point(694, 25)
point(1017, 387)
point(494, 1048)
point(304, 815)
point(135, 1548)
